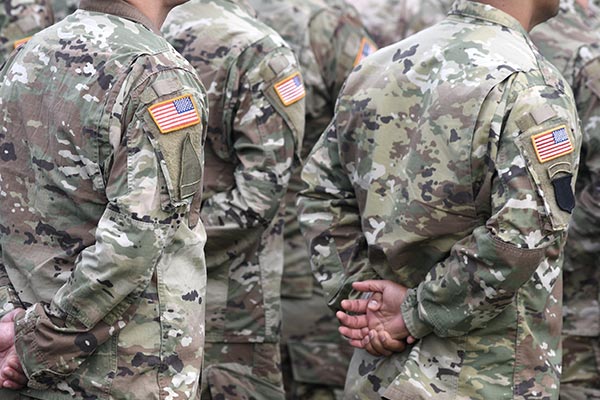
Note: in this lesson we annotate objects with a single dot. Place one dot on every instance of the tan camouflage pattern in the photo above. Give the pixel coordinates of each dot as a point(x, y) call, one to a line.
point(20, 19)
point(100, 238)
point(574, 49)
point(327, 37)
point(427, 176)
point(250, 152)
point(390, 21)
point(62, 8)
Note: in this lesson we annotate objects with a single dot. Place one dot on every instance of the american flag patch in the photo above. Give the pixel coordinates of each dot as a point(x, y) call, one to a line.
point(552, 144)
point(21, 42)
point(291, 89)
point(175, 114)
point(367, 47)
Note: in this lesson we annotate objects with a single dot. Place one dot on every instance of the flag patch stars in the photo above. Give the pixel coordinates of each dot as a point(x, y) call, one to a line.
point(552, 144)
point(367, 47)
point(175, 114)
point(290, 89)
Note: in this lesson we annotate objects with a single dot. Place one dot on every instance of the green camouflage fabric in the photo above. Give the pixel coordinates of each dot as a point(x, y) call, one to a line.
point(428, 176)
point(20, 19)
point(574, 49)
point(100, 238)
point(329, 41)
point(390, 21)
point(62, 8)
point(251, 144)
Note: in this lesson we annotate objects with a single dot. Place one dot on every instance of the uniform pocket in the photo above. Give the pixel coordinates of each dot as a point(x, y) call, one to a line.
point(550, 154)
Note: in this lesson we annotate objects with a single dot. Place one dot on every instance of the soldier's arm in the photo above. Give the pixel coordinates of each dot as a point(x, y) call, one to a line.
point(265, 135)
point(149, 195)
point(339, 41)
point(329, 217)
point(9, 300)
point(521, 241)
point(584, 232)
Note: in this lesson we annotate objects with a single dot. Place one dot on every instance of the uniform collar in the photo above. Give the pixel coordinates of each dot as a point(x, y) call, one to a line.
point(120, 8)
point(485, 12)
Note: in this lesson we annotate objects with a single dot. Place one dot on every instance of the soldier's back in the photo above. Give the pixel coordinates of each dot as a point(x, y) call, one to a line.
point(79, 101)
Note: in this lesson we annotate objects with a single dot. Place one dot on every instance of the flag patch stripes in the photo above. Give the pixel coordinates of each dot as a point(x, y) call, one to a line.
point(552, 144)
point(290, 89)
point(175, 114)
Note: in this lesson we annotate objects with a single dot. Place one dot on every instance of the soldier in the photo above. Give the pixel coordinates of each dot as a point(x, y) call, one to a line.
point(392, 20)
point(448, 169)
point(574, 49)
point(329, 41)
point(101, 246)
point(62, 8)
point(19, 20)
point(256, 98)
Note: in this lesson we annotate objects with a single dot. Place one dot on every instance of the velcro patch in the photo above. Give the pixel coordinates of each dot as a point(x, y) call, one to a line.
point(367, 47)
point(552, 144)
point(21, 42)
point(175, 114)
point(290, 89)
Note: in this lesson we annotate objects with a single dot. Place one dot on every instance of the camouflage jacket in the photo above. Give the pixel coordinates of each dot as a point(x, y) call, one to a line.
point(390, 21)
point(329, 41)
point(429, 176)
point(100, 238)
point(256, 97)
point(568, 43)
point(62, 8)
point(19, 19)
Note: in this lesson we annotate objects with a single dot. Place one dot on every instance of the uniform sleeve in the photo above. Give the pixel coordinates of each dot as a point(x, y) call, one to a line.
point(154, 177)
point(266, 131)
point(339, 41)
point(583, 246)
point(522, 240)
point(8, 296)
point(329, 218)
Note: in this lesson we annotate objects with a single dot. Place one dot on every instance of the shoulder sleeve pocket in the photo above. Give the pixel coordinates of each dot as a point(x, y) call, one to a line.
point(175, 125)
point(551, 155)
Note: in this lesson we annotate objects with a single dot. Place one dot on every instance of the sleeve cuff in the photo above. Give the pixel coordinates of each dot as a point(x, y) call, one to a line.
point(32, 360)
point(410, 312)
point(8, 300)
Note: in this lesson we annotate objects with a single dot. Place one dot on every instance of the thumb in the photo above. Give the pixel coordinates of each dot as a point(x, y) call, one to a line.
point(374, 303)
point(371, 286)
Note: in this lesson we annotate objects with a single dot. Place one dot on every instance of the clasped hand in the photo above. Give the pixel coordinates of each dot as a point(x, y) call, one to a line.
point(376, 323)
point(11, 371)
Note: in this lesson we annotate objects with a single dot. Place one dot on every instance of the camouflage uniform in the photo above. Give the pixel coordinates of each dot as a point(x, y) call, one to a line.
point(575, 50)
point(390, 21)
point(19, 19)
point(255, 127)
point(428, 176)
point(62, 8)
point(100, 189)
point(329, 41)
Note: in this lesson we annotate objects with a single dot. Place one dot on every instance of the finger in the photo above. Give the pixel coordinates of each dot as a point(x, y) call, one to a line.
point(357, 334)
point(14, 375)
point(8, 384)
point(391, 344)
point(15, 364)
point(368, 346)
point(355, 306)
point(411, 339)
point(375, 301)
point(352, 321)
point(376, 345)
point(371, 286)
